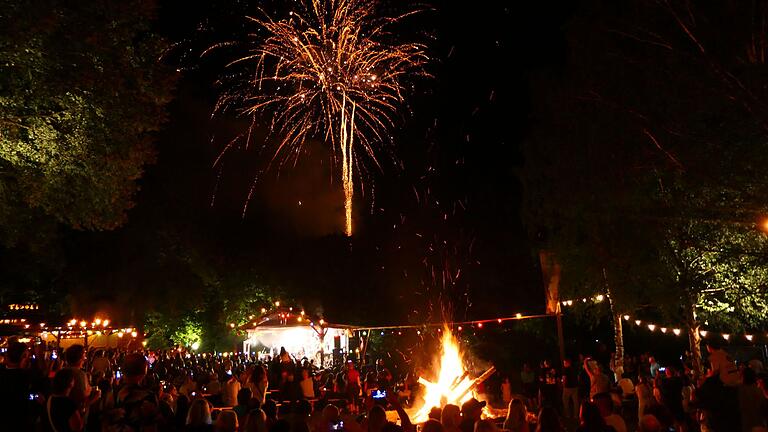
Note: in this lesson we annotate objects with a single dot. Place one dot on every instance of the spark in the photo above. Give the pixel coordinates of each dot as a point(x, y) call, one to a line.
point(330, 70)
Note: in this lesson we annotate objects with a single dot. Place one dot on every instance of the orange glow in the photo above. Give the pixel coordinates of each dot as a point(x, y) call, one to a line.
point(453, 384)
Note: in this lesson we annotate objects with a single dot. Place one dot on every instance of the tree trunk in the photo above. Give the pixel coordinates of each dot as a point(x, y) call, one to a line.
point(618, 329)
point(618, 339)
point(694, 338)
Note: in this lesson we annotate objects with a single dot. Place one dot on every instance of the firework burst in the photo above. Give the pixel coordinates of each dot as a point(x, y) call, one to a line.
point(329, 70)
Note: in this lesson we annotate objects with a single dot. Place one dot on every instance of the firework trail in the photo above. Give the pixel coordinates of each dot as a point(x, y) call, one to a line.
point(329, 70)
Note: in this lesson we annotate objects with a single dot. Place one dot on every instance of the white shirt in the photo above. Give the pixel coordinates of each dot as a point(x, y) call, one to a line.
point(231, 389)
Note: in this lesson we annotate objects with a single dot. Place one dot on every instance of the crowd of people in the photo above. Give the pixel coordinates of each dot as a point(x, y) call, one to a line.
point(600, 394)
point(116, 390)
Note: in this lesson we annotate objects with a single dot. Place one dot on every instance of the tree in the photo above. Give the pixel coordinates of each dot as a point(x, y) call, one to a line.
point(644, 176)
point(81, 91)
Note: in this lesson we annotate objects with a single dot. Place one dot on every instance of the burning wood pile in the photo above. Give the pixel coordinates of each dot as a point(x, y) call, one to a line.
point(453, 385)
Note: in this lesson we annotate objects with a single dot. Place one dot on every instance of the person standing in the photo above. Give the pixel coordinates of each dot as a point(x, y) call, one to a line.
point(231, 389)
point(62, 413)
point(599, 382)
point(570, 382)
point(16, 387)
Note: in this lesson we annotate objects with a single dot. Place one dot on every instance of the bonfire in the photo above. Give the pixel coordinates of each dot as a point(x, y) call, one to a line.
point(453, 385)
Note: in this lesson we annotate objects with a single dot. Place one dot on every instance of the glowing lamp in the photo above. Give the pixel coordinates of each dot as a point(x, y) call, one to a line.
point(638, 322)
point(726, 336)
point(479, 325)
point(105, 323)
point(195, 345)
point(263, 310)
point(460, 328)
point(749, 337)
point(651, 327)
point(232, 325)
point(703, 333)
point(277, 304)
point(518, 315)
point(134, 334)
point(97, 321)
point(663, 329)
point(676, 332)
point(144, 343)
point(499, 320)
point(120, 334)
point(599, 298)
point(626, 317)
point(570, 302)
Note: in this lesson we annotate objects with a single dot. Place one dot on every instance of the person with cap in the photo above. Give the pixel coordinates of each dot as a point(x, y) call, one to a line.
point(471, 412)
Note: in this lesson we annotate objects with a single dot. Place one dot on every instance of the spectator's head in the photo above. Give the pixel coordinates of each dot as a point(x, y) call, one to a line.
point(330, 414)
point(432, 425)
point(304, 374)
point(749, 376)
point(75, 355)
point(472, 409)
point(590, 417)
point(270, 409)
point(303, 407)
point(63, 382)
point(377, 419)
point(516, 413)
point(244, 396)
point(199, 413)
point(17, 353)
point(435, 413)
point(713, 345)
point(451, 416)
point(649, 423)
point(134, 367)
point(226, 422)
point(485, 426)
point(651, 359)
point(604, 403)
point(549, 420)
point(256, 421)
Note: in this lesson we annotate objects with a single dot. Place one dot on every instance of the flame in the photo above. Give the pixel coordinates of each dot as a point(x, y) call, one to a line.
point(453, 383)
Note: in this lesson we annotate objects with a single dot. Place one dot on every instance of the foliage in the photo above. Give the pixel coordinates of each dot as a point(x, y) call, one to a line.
point(81, 92)
point(645, 179)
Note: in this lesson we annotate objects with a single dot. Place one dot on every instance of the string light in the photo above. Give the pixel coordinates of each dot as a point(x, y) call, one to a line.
point(749, 337)
point(652, 327)
point(703, 333)
point(676, 331)
point(726, 336)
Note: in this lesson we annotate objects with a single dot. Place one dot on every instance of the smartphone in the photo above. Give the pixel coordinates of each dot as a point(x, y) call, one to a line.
point(194, 394)
point(54, 356)
point(32, 396)
point(337, 426)
point(379, 394)
point(662, 369)
point(118, 375)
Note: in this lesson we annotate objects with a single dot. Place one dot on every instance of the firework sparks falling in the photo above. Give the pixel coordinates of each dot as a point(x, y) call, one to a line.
point(332, 71)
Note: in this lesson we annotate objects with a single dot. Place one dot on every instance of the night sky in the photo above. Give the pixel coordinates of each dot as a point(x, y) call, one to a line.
point(438, 229)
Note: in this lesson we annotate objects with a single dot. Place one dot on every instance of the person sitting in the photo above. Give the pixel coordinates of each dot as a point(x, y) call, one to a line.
point(307, 385)
point(517, 417)
point(604, 404)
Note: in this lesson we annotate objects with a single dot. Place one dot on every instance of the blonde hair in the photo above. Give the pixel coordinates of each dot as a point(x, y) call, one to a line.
point(226, 421)
point(199, 413)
